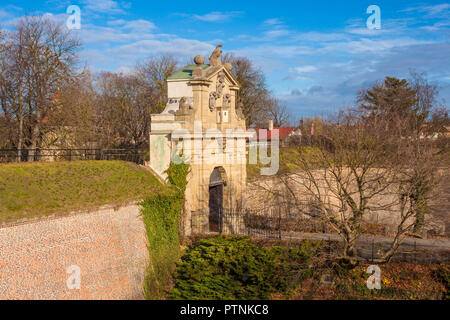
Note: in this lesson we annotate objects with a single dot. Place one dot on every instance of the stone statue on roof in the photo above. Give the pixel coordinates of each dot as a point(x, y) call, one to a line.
point(215, 60)
point(184, 107)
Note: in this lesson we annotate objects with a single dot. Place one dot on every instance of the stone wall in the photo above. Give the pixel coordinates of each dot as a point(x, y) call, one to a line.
point(109, 246)
point(270, 193)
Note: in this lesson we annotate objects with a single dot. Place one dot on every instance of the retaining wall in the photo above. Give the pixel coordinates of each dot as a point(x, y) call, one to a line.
point(108, 245)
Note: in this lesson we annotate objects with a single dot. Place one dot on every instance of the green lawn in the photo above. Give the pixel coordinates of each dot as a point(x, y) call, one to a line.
point(289, 161)
point(38, 189)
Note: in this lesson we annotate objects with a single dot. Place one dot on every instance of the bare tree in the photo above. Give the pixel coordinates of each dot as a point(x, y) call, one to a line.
point(51, 53)
point(378, 158)
point(154, 73)
point(73, 122)
point(6, 131)
point(15, 83)
point(348, 182)
point(278, 112)
point(123, 110)
point(254, 98)
point(37, 59)
point(404, 106)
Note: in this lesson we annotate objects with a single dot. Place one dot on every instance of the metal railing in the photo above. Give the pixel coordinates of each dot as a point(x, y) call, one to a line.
point(52, 155)
point(276, 224)
point(267, 223)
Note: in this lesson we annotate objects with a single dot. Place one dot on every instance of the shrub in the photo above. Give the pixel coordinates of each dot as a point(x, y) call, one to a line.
point(235, 268)
point(443, 275)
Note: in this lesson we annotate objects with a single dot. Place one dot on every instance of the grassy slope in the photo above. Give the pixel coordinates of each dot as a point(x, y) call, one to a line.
point(288, 162)
point(39, 189)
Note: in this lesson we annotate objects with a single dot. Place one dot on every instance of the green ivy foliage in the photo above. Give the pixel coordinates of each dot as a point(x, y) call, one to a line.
point(228, 268)
point(161, 215)
point(177, 176)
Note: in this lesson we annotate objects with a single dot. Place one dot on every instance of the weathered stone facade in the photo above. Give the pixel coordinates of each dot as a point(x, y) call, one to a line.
point(201, 118)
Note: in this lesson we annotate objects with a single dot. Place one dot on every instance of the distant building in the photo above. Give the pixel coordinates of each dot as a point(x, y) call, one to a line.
point(264, 136)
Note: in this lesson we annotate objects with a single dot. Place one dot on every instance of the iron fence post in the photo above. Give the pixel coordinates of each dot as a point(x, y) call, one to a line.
point(415, 250)
point(247, 223)
point(220, 221)
point(372, 249)
point(279, 222)
point(329, 246)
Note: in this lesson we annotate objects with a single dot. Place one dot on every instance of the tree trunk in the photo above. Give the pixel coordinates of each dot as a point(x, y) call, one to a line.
point(20, 139)
point(34, 138)
point(420, 208)
point(350, 252)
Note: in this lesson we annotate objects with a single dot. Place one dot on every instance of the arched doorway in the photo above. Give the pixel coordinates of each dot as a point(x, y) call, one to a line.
point(217, 182)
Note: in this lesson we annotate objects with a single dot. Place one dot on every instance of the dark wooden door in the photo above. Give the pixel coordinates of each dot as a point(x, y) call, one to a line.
point(215, 207)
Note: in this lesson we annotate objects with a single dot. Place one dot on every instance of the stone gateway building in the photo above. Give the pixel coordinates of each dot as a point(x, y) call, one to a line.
point(202, 124)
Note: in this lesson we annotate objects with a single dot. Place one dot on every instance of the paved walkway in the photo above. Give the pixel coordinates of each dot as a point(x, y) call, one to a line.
point(419, 243)
point(412, 250)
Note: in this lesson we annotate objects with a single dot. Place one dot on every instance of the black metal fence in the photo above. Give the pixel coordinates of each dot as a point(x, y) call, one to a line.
point(51, 155)
point(266, 224)
point(276, 224)
point(269, 223)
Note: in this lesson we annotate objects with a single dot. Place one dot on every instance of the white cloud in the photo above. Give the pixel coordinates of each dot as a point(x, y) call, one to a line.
point(296, 92)
point(275, 52)
point(142, 25)
point(431, 10)
point(11, 21)
point(306, 69)
point(276, 29)
point(273, 22)
point(340, 82)
point(276, 33)
point(3, 14)
point(366, 31)
point(326, 68)
point(157, 46)
point(437, 26)
point(102, 6)
point(116, 22)
point(118, 32)
point(136, 25)
point(365, 45)
point(216, 16)
point(314, 36)
point(123, 70)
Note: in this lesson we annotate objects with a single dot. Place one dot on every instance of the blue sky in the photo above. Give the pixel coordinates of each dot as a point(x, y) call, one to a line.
point(316, 54)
